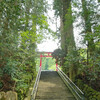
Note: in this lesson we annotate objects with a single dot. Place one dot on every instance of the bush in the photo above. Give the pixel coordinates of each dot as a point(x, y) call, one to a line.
point(90, 94)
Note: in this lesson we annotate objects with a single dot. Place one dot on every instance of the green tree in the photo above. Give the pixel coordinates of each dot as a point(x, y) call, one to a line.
point(22, 24)
point(66, 26)
point(46, 64)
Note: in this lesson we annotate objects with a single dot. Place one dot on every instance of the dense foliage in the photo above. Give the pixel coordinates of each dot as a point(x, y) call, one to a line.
point(83, 62)
point(59, 55)
point(22, 24)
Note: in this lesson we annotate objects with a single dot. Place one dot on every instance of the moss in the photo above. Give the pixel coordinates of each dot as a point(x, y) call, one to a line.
point(2, 96)
point(89, 93)
point(80, 84)
point(98, 97)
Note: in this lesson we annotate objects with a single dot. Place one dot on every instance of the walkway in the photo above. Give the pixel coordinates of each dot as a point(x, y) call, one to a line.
point(51, 87)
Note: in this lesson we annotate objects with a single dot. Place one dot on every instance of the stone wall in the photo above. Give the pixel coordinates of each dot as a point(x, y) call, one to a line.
point(10, 95)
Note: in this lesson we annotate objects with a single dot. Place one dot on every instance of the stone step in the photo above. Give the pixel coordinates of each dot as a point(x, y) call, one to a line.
point(54, 98)
point(54, 94)
point(51, 87)
point(70, 98)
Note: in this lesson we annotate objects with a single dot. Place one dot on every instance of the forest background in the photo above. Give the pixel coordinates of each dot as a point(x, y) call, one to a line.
point(23, 24)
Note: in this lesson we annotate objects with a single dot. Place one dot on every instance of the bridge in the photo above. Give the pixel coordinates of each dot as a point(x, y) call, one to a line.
point(54, 85)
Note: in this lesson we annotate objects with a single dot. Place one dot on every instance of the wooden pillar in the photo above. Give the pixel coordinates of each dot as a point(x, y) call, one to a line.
point(56, 67)
point(40, 61)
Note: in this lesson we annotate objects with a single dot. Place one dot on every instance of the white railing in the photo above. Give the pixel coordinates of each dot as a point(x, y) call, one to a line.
point(79, 95)
point(33, 94)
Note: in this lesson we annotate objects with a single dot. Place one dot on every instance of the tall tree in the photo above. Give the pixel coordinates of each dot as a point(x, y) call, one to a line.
point(22, 24)
point(88, 25)
point(64, 10)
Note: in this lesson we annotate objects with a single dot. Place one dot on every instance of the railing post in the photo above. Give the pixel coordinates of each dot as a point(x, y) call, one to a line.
point(40, 61)
point(56, 67)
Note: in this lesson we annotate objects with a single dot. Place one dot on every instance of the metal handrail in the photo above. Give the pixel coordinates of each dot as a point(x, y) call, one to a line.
point(33, 94)
point(79, 95)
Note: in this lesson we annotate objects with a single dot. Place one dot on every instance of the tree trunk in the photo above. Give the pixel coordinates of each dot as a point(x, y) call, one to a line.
point(67, 37)
point(86, 16)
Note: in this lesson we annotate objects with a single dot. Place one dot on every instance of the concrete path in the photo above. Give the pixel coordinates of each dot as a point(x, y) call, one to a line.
point(51, 87)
